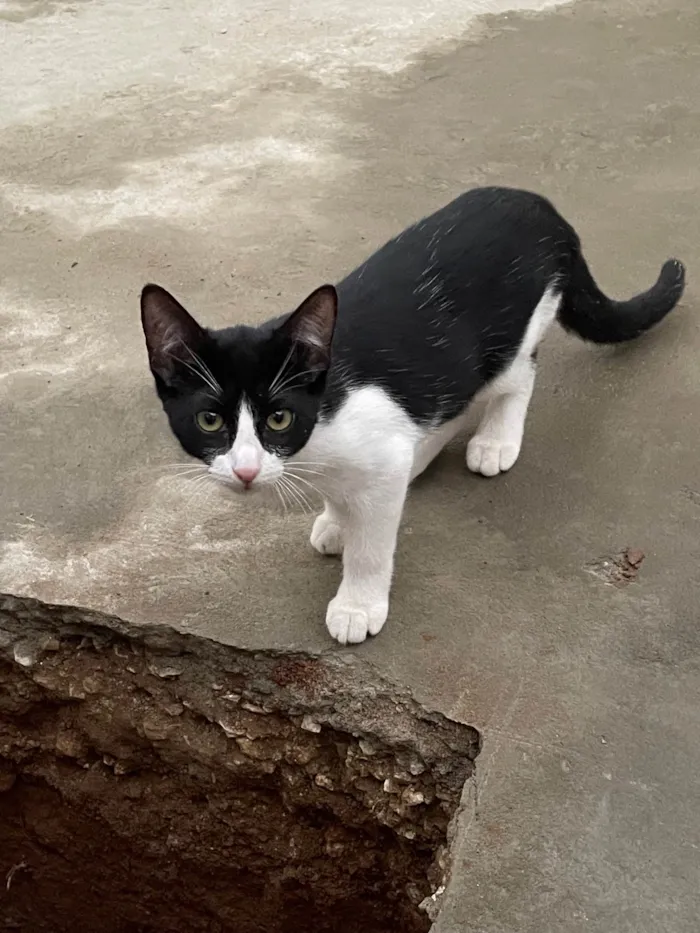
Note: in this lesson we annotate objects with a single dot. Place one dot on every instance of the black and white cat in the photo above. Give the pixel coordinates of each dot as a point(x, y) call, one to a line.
point(359, 389)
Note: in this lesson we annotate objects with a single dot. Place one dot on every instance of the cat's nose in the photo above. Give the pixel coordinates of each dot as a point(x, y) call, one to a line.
point(247, 474)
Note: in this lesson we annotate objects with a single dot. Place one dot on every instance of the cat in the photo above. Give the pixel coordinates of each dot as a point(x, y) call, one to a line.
point(355, 392)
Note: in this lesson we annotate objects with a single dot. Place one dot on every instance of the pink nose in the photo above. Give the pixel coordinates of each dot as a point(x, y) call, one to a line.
point(247, 474)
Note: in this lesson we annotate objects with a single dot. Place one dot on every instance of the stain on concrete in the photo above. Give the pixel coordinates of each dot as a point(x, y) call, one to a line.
point(620, 569)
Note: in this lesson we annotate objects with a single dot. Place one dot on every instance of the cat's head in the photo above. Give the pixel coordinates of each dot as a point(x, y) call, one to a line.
point(244, 400)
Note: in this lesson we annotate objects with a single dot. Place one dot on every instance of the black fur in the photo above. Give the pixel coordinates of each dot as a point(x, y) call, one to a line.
point(198, 370)
point(432, 316)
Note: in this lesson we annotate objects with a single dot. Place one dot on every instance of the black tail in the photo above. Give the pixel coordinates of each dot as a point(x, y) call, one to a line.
point(586, 311)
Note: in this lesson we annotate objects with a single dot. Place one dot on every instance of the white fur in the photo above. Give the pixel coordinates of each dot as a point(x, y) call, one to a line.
point(433, 442)
point(496, 445)
point(367, 453)
point(362, 461)
point(372, 450)
point(326, 535)
point(247, 452)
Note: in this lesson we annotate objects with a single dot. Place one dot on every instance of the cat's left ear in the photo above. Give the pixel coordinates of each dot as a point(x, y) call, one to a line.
point(312, 325)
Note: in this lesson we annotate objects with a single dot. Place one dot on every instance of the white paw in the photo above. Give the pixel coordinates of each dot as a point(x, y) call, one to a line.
point(490, 456)
point(326, 536)
point(351, 622)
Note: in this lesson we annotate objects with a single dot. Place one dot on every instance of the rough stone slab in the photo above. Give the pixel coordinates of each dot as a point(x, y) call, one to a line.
point(172, 746)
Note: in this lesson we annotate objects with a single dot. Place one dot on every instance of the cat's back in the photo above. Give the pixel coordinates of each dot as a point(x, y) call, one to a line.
point(488, 248)
point(456, 254)
point(447, 301)
point(483, 224)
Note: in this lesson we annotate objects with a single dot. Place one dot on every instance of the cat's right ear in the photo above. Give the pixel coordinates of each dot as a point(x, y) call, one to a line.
point(172, 334)
point(312, 326)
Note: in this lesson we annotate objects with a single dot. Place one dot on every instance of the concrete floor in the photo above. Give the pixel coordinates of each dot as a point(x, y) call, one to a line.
point(242, 157)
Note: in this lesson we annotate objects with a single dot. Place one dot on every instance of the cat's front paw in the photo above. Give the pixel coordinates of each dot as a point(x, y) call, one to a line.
point(326, 535)
point(351, 621)
point(490, 455)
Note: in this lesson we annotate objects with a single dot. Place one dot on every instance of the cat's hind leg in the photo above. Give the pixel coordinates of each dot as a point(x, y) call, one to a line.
point(496, 445)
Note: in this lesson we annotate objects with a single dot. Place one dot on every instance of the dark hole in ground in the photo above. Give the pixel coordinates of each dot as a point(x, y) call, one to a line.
point(227, 871)
point(179, 786)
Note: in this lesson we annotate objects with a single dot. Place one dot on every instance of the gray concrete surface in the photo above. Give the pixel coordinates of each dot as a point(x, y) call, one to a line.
point(239, 156)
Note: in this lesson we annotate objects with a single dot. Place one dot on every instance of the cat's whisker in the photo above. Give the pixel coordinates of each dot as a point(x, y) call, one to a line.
point(218, 478)
point(186, 481)
point(291, 492)
point(306, 482)
point(199, 368)
point(322, 488)
point(171, 475)
point(284, 487)
point(292, 387)
point(305, 496)
point(178, 468)
point(200, 375)
point(296, 494)
point(292, 377)
point(199, 480)
point(306, 506)
point(304, 464)
point(202, 488)
point(283, 501)
point(287, 383)
point(197, 489)
point(210, 378)
point(316, 463)
point(280, 373)
point(179, 478)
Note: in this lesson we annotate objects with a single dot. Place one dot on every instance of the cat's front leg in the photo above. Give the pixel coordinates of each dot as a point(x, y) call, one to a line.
point(370, 522)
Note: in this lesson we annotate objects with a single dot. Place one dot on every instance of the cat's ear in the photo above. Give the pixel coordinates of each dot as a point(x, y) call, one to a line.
point(172, 334)
point(312, 325)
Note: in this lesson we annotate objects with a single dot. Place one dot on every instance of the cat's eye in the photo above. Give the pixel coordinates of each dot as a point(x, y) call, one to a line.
point(280, 420)
point(209, 421)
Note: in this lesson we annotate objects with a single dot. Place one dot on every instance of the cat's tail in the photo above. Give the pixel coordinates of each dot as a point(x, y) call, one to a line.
point(586, 311)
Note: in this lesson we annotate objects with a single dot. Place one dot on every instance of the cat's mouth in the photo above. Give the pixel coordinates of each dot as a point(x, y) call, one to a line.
point(281, 488)
point(243, 488)
point(248, 487)
point(237, 484)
